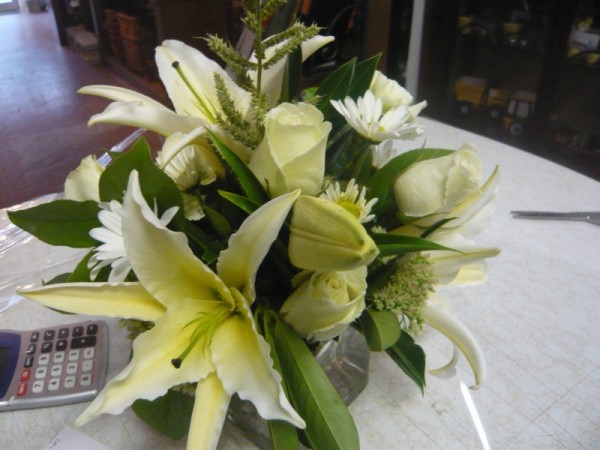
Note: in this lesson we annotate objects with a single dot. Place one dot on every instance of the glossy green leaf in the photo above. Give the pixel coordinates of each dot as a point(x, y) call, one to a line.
point(329, 424)
point(410, 357)
point(284, 435)
point(337, 84)
point(244, 203)
point(292, 76)
point(156, 185)
point(249, 183)
point(169, 414)
point(219, 223)
point(61, 222)
point(363, 75)
point(81, 273)
point(381, 329)
point(395, 244)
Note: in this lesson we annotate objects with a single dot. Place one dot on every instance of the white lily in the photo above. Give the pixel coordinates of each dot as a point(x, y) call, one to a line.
point(448, 324)
point(203, 322)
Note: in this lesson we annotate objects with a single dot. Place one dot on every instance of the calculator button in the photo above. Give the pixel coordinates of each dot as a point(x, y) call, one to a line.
point(59, 357)
point(46, 347)
point(37, 387)
point(73, 355)
point(69, 382)
point(31, 349)
point(63, 333)
point(89, 352)
point(56, 370)
point(26, 374)
point(22, 389)
point(86, 379)
point(61, 345)
point(43, 359)
point(29, 361)
point(53, 384)
point(49, 335)
point(41, 372)
point(81, 342)
point(72, 368)
point(87, 365)
point(77, 331)
point(35, 336)
point(92, 328)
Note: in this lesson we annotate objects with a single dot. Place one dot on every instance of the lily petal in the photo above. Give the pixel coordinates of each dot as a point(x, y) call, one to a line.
point(272, 78)
point(162, 121)
point(199, 71)
point(210, 410)
point(129, 300)
point(119, 94)
point(161, 258)
point(238, 264)
point(251, 376)
point(150, 373)
point(446, 323)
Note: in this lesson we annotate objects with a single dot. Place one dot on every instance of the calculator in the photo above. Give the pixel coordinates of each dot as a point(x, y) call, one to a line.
point(52, 366)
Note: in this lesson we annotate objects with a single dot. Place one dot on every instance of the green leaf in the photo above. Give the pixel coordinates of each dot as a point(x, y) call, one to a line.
point(81, 273)
point(284, 435)
point(61, 222)
point(335, 87)
point(410, 357)
point(155, 184)
point(394, 244)
point(250, 184)
point(381, 329)
point(218, 222)
point(382, 181)
point(169, 414)
point(363, 75)
point(329, 424)
point(244, 203)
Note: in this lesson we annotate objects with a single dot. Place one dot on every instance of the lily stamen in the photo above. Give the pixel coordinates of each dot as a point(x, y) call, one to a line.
point(201, 103)
point(206, 325)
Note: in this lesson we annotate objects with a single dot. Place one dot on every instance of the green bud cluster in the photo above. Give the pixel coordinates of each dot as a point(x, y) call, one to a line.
point(407, 290)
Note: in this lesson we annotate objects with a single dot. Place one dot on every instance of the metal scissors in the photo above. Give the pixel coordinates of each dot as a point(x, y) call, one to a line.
point(589, 216)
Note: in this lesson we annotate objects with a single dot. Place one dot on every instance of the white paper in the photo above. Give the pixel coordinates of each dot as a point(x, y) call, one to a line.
point(70, 439)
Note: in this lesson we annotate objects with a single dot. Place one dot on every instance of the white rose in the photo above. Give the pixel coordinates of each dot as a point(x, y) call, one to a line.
point(292, 153)
point(82, 183)
point(389, 92)
point(437, 185)
point(323, 306)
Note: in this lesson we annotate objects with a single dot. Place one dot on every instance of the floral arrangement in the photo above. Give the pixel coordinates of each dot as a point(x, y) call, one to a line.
point(271, 219)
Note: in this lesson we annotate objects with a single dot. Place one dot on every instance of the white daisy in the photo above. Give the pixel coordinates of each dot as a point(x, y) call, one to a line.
point(351, 199)
point(366, 116)
point(112, 251)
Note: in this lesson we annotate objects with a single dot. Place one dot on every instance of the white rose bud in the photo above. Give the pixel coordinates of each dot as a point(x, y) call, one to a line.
point(389, 92)
point(437, 185)
point(292, 153)
point(324, 304)
point(82, 183)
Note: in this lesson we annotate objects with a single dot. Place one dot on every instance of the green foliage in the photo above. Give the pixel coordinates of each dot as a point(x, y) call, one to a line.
point(156, 185)
point(169, 414)
point(410, 357)
point(381, 329)
point(396, 244)
point(250, 185)
point(329, 424)
point(61, 222)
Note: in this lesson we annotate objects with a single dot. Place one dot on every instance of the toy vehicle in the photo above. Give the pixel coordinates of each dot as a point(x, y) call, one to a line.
point(513, 107)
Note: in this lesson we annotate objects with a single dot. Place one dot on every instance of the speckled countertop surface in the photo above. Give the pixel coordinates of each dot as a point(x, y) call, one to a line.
point(536, 319)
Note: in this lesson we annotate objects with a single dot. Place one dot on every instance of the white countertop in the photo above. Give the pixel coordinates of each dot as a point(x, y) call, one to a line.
point(537, 320)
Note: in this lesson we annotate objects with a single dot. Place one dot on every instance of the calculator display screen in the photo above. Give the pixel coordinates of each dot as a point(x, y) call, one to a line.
point(4, 352)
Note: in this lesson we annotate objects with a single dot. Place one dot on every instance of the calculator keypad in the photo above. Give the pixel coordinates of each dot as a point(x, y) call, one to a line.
point(58, 359)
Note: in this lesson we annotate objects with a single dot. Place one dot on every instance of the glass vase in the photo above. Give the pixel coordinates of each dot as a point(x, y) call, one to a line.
point(346, 364)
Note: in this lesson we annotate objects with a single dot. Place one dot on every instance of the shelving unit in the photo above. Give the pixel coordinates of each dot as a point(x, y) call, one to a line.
point(510, 70)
